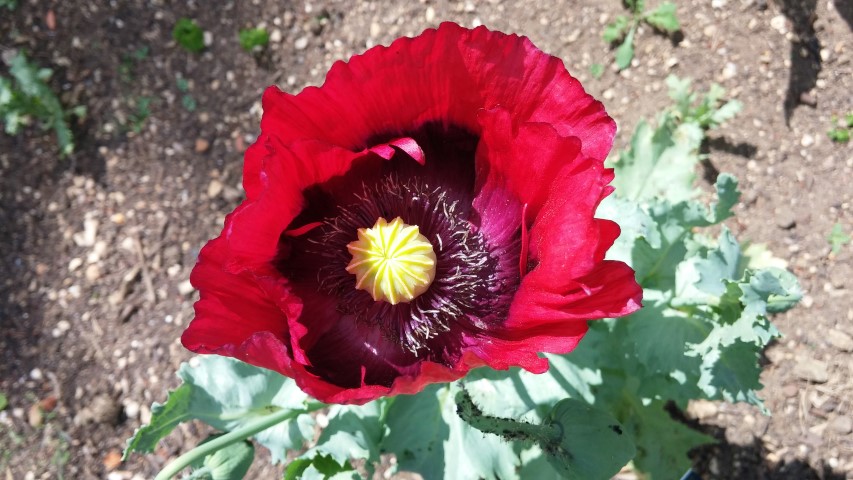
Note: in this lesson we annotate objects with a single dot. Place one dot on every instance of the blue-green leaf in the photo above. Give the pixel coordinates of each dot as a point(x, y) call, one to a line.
point(209, 394)
point(429, 438)
point(229, 463)
point(593, 444)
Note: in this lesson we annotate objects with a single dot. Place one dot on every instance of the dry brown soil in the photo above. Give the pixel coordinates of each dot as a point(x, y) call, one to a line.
point(96, 249)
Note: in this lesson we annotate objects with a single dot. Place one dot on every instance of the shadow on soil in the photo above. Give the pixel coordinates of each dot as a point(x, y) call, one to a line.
point(724, 460)
point(845, 9)
point(805, 53)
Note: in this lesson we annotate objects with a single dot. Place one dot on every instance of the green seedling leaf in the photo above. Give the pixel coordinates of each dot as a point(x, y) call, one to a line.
point(839, 135)
point(837, 238)
point(636, 6)
point(616, 29)
point(254, 39)
point(596, 70)
point(592, 445)
point(189, 103)
point(4, 402)
point(182, 84)
point(625, 52)
point(29, 97)
point(663, 18)
point(229, 463)
point(208, 394)
point(189, 35)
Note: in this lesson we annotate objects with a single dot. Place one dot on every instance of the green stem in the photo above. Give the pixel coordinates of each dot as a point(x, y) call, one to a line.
point(507, 428)
point(249, 429)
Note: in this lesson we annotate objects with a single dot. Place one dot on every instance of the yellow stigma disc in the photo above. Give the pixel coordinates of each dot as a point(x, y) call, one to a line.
point(392, 261)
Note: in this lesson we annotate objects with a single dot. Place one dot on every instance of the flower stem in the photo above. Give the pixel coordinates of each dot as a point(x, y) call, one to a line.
point(508, 428)
point(250, 428)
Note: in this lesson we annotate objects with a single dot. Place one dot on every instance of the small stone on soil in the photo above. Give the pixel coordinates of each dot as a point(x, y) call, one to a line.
point(786, 221)
point(201, 145)
point(701, 409)
point(842, 425)
point(811, 370)
point(214, 188)
point(840, 340)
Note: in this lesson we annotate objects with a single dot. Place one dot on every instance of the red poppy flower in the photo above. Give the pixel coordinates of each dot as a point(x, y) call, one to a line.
point(426, 211)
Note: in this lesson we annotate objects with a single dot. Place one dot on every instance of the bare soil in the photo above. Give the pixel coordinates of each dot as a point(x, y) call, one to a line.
point(96, 249)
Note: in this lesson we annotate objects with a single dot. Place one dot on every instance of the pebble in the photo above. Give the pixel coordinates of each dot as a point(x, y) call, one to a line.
point(201, 145)
point(701, 409)
point(74, 264)
point(811, 370)
point(840, 340)
point(214, 188)
point(786, 220)
point(35, 417)
point(790, 390)
point(36, 374)
point(93, 273)
point(62, 326)
point(131, 409)
point(301, 43)
point(842, 425)
point(185, 288)
point(807, 140)
point(275, 35)
point(779, 24)
point(430, 14)
point(730, 71)
point(102, 409)
point(87, 237)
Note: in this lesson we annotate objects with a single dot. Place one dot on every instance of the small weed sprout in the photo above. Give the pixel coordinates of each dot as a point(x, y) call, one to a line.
point(624, 27)
point(189, 35)
point(254, 39)
point(840, 133)
point(26, 97)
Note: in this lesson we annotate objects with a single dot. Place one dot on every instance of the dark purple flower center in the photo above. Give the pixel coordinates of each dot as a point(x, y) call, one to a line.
point(466, 293)
point(474, 281)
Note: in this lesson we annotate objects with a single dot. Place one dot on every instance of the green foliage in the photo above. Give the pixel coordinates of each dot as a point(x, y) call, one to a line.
point(4, 402)
point(229, 463)
point(837, 238)
point(592, 442)
point(138, 117)
point(189, 35)
point(26, 97)
point(129, 61)
point(660, 161)
point(187, 100)
point(208, 394)
point(596, 70)
point(840, 133)
point(9, 4)
point(663, 18)
point(252, 39)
